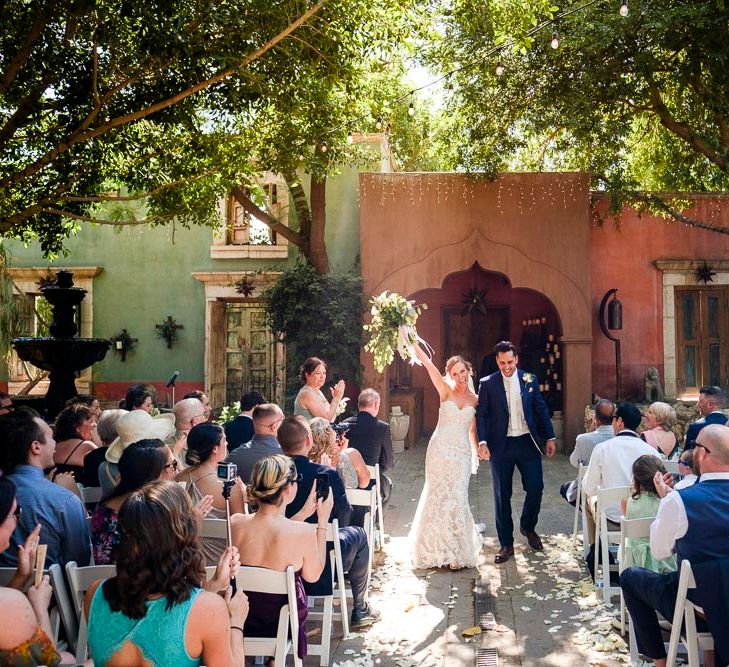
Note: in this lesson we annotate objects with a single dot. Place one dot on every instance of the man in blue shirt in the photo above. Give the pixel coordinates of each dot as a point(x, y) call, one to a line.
point(26, 450)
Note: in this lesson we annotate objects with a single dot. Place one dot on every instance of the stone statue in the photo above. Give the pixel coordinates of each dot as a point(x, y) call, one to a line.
point(653, 389)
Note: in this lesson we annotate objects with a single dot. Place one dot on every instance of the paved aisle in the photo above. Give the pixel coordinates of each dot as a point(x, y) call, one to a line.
point(547, 613)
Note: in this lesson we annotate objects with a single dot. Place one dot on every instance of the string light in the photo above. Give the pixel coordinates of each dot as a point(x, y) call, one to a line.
point(378, 123)
point(499, 69)
point(324, 147)
point(624, 10)
point(350, 138)
point(411, 109)
point(555, 41)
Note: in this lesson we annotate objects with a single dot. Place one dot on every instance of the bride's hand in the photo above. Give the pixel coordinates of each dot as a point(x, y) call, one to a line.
point(483, 452)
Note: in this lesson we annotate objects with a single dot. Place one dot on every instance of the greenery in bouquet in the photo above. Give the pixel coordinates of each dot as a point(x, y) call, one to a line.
point(392, 328)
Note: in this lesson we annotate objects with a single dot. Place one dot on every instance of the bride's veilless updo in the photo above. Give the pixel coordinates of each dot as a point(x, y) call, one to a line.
point(456, 359)
point(270, 476)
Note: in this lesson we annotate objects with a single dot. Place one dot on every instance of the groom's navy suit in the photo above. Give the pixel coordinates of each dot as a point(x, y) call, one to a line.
point(523, 452)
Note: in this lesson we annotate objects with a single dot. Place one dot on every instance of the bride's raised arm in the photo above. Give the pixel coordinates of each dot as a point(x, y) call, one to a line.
point(435, 376)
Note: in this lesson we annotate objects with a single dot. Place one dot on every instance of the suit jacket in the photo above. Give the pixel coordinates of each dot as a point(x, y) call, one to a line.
point(693, 429)
point(492, 413)
point(238, 431)
point(246, 456)
point(371, 438)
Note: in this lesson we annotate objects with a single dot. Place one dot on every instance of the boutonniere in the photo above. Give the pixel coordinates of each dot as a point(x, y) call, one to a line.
point(527, 377)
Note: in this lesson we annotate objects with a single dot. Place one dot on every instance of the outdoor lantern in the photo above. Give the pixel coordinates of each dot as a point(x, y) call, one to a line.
point(615, 323)
point(615, 313)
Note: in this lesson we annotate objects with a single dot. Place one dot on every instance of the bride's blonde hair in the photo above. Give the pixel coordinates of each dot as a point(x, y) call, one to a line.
point(458, 359)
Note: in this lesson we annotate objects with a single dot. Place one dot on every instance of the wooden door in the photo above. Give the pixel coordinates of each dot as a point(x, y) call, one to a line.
point(473, 335)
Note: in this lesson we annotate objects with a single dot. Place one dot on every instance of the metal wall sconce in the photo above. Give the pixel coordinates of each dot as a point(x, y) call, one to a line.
point(167, 331)
point(122, 343)
point(615, 323)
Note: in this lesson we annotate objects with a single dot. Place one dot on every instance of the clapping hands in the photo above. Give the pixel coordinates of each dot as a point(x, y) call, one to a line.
point(663, 483)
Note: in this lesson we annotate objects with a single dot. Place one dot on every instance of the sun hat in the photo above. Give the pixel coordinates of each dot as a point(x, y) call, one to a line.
point(139, 425)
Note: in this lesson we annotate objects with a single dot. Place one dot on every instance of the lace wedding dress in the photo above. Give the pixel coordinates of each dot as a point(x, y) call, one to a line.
point(443, 531)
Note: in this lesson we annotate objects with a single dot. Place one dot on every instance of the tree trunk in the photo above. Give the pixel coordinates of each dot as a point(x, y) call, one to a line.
point(317, 241)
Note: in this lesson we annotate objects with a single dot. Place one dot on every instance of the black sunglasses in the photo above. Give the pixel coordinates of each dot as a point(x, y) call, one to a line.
point(297, 479)
point(172, 465)
point(18, 513)
point(706, 449)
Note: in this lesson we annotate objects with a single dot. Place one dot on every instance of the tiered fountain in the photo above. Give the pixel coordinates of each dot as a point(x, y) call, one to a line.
point(62, 353)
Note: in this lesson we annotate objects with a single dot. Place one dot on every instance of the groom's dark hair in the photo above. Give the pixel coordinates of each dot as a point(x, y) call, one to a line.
point(505, 346)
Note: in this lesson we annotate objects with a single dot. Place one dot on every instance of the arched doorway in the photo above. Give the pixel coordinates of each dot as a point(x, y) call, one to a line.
point(468, 315)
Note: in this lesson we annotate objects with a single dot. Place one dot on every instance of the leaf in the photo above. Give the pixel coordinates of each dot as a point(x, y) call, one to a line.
point(472, 632)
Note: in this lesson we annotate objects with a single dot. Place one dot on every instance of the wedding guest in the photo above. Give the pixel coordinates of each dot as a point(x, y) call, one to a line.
point(643, 504)
point(188, 412)
point(686, 467)
point(206, 447)
point(267, 417)
point(26, 450)
point(156, 601)
point(348, 462)
point(106, 428)
point(268, 539)
point(203, 398)
point(72, 431)
point(239, 430)
point(28, 640)
point(139, 397)
point(659, 419)
point(142, 462)
point(310, 402)
point(371, 437)
point(92, 403)
point(132, 427)
point(710, 404)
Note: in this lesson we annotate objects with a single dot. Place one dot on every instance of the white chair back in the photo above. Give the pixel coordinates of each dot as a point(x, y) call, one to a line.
point(90, 494)
point(214, 528)
point(380, 518)
point(603, 537)
point(672, 467)
point(578, 500)
point(366, 498)
point(262, 580)
point(630, 529)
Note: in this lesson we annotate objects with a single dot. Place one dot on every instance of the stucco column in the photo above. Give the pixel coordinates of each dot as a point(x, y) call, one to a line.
point(577, 355)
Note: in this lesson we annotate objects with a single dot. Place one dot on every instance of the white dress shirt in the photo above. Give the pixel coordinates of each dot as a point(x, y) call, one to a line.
point(671, 521)
point(517, 422)
point(611, 464)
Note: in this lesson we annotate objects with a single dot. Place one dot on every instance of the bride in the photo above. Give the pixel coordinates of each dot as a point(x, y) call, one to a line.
point(443, 531)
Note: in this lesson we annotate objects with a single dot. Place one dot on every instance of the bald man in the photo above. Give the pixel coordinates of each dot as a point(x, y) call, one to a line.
point(694, 524)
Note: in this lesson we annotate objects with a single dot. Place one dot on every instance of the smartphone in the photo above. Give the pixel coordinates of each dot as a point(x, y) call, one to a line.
point(322, 485)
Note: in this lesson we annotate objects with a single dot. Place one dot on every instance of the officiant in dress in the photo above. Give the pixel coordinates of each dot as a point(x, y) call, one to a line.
point(513, 421)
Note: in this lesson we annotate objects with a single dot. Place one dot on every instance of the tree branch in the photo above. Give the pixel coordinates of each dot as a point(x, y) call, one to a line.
point(679, 217)
point(101, 221)
point(21, 56)
point(80, 135)
point(301, 205)
point(291, 235)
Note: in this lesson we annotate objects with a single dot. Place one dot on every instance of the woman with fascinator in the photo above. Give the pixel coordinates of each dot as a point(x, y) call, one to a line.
point(443, 531)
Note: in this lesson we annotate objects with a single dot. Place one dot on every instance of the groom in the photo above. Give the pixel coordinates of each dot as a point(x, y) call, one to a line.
point(512, 419)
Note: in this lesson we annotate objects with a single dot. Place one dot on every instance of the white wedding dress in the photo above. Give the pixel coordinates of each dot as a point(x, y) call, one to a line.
point(443, 531)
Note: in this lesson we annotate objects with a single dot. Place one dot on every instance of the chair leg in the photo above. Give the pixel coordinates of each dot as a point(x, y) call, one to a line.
point(631, 643)
point(577, 514)
point(692, 639)
point(326, 630)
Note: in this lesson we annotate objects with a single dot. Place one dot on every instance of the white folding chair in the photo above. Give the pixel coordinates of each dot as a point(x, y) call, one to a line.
point(578, 499)
point(630, 529)
point(262, 580)
point(79, 581)
point(214, 528)
point(65, 605)
point(605, 537)
point(366, 498)
point(90, 494)
point(671, 466)
point(684, 613)
point(380, 518)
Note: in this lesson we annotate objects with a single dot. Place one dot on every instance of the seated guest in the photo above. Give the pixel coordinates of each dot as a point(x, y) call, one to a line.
point(72, 432)
point(132, 427)
point(28, 640)
point(107, 432)
point(602, 429)
point(659, 419)
point(686, 467)
point(240, 429)
point(643, 504)
point(348, 462)
point(26, 450)
point(203, 398)
point(155, 611)
point(188, 412)
point(267, 418)
point(142, 462)
point(310, 402)
point(693, 523)
point(711, 401)
point(268, 539)
point(371, 437)
point(611, 463)
point(296, 441)
point(206, 447)
point(92, 403)
point(139, 397)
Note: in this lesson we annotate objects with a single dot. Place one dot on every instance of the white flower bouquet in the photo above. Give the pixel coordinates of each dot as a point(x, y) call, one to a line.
point(393, 328)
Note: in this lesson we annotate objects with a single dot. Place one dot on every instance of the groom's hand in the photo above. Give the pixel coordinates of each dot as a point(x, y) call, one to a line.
point(551, 448)
point(483, 451)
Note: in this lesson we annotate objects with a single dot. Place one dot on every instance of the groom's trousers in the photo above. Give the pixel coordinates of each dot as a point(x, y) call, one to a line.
point(519, 453)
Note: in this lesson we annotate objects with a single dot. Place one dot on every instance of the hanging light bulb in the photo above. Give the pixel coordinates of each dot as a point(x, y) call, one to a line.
point(378, 123)
point(624, 11)
point(411, 109)
point(350, 138)
point(555, 41)
point(324, 147)
point(499, 69)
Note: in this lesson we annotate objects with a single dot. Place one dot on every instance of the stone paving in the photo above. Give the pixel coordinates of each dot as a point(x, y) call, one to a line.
point(547, 612)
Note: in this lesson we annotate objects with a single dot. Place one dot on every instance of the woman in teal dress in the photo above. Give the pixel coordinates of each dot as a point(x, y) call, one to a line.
point(643, 504)
point(155, 611)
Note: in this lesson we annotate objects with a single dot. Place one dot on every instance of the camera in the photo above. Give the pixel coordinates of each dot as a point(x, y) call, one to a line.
point(227, 471)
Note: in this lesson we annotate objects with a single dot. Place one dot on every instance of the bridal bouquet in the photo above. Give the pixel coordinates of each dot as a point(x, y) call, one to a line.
point(393, 328)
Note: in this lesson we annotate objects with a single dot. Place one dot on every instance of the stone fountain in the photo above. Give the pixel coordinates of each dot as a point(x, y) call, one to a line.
point(62, 353)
